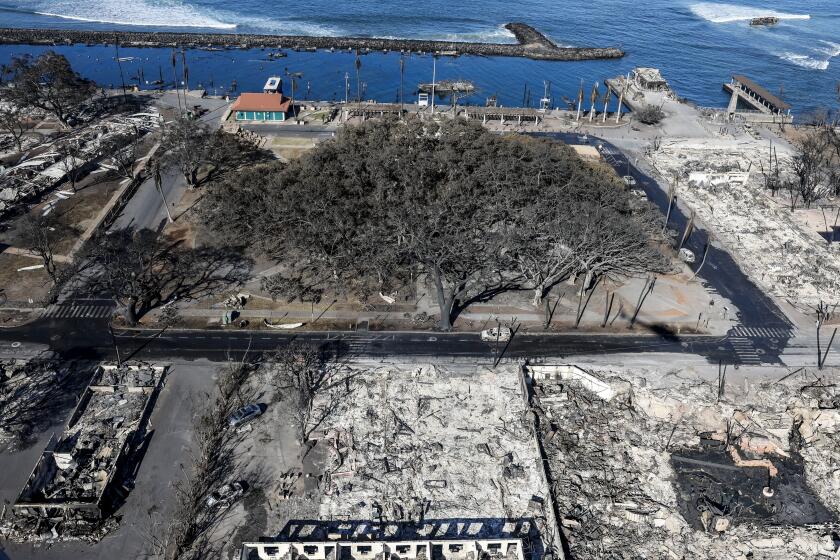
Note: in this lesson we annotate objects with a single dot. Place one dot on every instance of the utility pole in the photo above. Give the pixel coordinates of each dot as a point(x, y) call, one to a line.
point(175, 83)
point(434, 77)
point(358, 65)
point(346, 88)
point(119, 64)
point(607, 104)
point(186, 74)
point(114, 342)
point(620, 101)
point(402, 74)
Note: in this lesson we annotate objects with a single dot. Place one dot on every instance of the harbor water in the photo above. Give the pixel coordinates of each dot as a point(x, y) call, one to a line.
point(697, 45)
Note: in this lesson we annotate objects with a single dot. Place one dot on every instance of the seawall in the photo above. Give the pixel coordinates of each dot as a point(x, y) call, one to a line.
point(530, 42)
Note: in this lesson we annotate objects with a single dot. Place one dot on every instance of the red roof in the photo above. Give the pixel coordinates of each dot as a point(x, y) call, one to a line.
point(262, 102)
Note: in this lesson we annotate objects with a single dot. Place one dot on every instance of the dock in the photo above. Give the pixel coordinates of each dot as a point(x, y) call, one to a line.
point(765, 106)
point(371, 109)
point(530, 43)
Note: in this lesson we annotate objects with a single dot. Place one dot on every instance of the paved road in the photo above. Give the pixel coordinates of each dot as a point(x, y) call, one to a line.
point(288, 130)
point(146, 209)
point(721, 273)
point(80, 330)
point(79, 327)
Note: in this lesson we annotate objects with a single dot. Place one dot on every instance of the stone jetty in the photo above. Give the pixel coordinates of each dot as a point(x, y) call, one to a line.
point(530, 42)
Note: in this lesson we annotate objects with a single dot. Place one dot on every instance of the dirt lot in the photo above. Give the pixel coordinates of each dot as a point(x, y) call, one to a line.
point(19, 287)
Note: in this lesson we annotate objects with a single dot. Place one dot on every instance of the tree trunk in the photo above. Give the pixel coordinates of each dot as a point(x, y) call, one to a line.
point(445, 301)
point(539, 292)
point(547, 311)
point(130, 313)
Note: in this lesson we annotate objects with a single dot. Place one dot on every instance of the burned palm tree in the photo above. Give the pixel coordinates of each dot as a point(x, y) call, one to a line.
point(579, 100)
point(358, 65)
point(174, 60)
point(593, 99)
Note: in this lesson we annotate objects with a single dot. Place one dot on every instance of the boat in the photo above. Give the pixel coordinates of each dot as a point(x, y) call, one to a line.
point(448, 86)
point(287, 326)
point(765, 20)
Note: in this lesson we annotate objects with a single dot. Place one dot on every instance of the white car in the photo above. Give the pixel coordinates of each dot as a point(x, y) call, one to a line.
point(497, 334)
point(629, 180)
point(244, 415)
point(687, 255)
point(638, 193)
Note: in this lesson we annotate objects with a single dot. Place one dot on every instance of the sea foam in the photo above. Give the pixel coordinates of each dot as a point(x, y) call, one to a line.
point(829, 51)
point(804, 61)
point(143, 13)
point(728, 13)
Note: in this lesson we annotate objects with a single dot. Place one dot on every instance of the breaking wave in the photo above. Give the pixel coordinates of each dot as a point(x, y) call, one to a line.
point(497, 35)
point(804, 61)
point(728, 13)
point(286, 27)
point(142, 13)
point(829, 51)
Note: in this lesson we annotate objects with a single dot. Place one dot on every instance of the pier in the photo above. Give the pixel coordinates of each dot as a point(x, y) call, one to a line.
point(530, 42)
point(370, 109)
point(766, 107)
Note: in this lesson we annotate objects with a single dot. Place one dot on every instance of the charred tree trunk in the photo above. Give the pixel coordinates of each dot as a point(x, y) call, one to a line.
point(445, 299)
point(130, 312)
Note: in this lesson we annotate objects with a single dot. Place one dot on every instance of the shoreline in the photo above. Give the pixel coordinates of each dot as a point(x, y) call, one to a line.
point(530, 43)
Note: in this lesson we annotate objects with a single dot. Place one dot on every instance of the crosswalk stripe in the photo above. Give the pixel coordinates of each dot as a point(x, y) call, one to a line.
point(762, 332)
point(93, 311)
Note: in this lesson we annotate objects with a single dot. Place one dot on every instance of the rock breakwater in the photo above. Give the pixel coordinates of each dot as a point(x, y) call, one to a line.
point(530, 42)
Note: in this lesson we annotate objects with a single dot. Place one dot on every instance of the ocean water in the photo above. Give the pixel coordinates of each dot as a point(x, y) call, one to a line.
point(697, 45)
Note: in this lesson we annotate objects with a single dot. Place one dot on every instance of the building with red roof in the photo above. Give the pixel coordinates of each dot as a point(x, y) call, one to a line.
point(261, 107)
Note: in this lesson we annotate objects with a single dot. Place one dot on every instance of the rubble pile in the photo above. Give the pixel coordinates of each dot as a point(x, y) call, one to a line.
point(44, 171)
point(776, 249)
point(76, 481)
point(669, 472)
point(406, 446)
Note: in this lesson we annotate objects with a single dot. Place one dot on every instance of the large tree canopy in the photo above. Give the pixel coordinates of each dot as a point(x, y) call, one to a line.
point(49, 83)
point(473, 212)
point(142, 270)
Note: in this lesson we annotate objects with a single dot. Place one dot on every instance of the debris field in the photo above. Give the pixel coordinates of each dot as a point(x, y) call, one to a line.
point(776, 248)
point(650, 465)
point(409, 446)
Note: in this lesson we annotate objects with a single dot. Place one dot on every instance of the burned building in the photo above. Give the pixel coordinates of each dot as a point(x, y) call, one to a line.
point(78, 475)
point(508, 549)
point(640, 465)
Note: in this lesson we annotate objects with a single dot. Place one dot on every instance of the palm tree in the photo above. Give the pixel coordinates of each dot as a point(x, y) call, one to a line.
point(358, 65)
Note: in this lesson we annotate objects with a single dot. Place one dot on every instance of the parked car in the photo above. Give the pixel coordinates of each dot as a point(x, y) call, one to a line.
point(244, 415)
point(500, 334)
point(638, 193)
point(227, 494)
point(629, 180)
point(687, 255)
